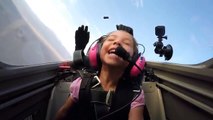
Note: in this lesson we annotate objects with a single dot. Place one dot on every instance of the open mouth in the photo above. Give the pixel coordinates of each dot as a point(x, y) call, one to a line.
point(112, 51)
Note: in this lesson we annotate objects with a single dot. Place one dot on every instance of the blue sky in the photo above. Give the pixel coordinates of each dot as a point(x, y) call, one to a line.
point(188, 23)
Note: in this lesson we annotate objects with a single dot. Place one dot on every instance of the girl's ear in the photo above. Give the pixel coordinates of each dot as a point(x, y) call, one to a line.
point(93, 53)
point(138, 64)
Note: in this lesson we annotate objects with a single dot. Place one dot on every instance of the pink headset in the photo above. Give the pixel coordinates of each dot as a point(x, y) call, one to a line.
point(94, 60)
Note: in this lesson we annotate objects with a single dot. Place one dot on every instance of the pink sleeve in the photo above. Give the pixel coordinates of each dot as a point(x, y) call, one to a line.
point(74, 88)
point(140, 101)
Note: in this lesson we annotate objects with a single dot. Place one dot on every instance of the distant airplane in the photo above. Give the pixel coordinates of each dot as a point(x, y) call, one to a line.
point(106, 17)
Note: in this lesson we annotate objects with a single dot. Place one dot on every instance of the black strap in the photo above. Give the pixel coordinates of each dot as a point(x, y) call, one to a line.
point(82, 109)
point(121, 102)
point(85, 105)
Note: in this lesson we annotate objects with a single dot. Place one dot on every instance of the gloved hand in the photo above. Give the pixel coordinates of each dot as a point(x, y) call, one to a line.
point(125, 28)
point(81, 37)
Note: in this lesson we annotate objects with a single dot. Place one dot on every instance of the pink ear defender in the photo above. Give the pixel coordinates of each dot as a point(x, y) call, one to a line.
point(92, 55)
point(140, 63)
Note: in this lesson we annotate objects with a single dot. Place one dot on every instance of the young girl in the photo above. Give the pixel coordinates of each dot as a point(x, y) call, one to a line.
point(114, 81)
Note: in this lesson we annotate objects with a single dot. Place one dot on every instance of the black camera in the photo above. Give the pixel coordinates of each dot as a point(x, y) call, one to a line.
point(160, 31)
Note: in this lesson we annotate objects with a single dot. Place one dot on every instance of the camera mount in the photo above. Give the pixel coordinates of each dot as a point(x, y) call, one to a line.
point(160, 49)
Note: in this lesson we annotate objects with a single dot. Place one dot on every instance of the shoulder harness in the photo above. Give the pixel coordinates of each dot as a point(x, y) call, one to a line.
point(93, 105)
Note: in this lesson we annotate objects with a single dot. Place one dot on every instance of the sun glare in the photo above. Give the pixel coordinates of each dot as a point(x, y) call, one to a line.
point(53, 14)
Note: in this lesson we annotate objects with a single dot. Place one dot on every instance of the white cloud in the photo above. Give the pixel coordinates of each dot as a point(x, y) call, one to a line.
point(138, 3)
point(72, 1)
point(194, 40)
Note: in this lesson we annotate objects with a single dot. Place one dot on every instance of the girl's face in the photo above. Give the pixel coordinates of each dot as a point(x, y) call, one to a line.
point(115, 39)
